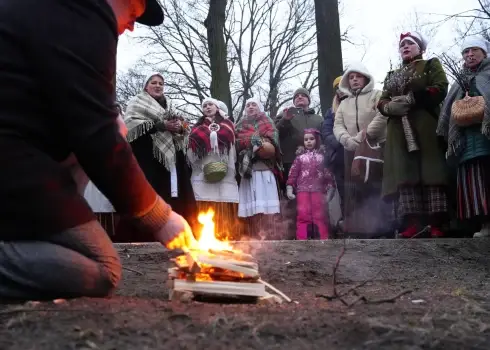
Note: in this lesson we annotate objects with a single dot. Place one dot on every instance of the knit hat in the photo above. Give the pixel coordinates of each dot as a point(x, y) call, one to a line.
point(148, 78)
point(256, 100)
point(416, 38)
point(303, 91)
point(336, 82)
point(475, 41)
point(222, 106)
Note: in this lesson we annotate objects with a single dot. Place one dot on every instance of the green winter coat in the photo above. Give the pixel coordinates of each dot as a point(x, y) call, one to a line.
point(291, 132)
point(426, 167)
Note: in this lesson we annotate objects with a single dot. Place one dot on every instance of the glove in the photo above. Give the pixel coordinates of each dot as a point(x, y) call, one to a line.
point(289, 192)
point(176, 234)
point(398, 109)
point(351, 144)
point(330, 193)
point(408, 99)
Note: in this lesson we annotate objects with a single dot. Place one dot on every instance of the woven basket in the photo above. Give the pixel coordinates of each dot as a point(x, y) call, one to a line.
point(215, 171)
point(468, 111)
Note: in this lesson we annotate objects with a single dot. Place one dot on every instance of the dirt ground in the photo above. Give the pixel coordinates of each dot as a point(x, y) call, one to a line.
point(448, 306)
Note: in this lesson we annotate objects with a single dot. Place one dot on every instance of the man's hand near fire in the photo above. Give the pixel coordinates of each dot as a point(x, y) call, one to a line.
point(176, 234)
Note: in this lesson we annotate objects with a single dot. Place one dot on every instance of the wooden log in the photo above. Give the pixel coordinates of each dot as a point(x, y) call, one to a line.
point(221, 288)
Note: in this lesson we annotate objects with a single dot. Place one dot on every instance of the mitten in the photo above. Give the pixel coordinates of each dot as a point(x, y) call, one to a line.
point(398, 109)
point(351, 144)
point(289, 192)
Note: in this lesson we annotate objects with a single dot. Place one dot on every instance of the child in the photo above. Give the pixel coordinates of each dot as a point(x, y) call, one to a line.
point(311, 179)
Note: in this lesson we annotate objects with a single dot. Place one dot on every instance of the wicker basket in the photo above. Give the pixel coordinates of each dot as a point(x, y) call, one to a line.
point(215, 171)
point(468, 111)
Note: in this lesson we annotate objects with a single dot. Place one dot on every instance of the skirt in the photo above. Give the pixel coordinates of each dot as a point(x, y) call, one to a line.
point(421, 200)
point(258, 195)
point(227, 225)
point(473, 193)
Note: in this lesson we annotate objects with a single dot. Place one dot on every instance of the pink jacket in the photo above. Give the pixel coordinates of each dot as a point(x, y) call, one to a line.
point(308, 172)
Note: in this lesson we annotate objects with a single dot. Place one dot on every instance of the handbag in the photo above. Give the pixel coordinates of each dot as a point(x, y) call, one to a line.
point(468, 111)
point(368, 161)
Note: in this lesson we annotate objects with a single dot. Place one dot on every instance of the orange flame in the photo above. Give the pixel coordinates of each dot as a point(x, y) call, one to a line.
point(207, 239)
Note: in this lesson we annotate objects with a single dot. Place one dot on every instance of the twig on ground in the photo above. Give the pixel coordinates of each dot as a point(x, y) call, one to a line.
point(380, 301)
point(133, 270)
point(340, 296)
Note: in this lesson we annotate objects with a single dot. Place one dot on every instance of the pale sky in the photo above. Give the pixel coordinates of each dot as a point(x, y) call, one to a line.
point(376, 23)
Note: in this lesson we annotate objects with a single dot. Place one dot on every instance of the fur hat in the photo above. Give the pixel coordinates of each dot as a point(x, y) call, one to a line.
point(303, 91)
point(416, 38)
point(148, 78)
point(475, 41)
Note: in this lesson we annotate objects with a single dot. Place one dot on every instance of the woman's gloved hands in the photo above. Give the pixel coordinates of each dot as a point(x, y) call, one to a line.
point(351, 144)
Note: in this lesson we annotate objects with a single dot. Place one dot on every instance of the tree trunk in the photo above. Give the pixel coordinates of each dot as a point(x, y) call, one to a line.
point(220, 75)
point(329, 48)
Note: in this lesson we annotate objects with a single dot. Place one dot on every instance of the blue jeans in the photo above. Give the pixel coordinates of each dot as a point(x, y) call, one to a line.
point(77, 262)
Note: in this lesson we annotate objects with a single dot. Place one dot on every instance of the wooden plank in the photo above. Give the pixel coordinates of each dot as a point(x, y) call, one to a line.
point(238, 255)
point(221, 288)
point(196, 265)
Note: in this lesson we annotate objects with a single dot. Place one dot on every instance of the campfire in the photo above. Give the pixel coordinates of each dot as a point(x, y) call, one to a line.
point(217, 269)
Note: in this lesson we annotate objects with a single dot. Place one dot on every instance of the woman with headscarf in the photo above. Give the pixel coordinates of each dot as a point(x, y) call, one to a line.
point(357, 116)
point(212, 156)
point(469, 143)
point(260, 167)
point(158, 137)
point(415, 173)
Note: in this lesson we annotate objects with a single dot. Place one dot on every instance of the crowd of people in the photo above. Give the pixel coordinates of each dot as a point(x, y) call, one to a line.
point(412, 155)
point(385, 157)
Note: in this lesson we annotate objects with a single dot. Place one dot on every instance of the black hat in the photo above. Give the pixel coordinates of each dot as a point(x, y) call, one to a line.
point(153, 15)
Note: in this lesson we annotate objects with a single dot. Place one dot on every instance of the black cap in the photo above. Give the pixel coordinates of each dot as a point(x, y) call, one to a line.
point(153, 15)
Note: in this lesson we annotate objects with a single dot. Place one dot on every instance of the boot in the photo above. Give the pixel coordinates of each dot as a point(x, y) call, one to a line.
point(436, 233)
point(484, 232)
point(409, 232)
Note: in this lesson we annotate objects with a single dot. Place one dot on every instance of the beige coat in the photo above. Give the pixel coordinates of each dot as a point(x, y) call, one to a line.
point(360, 112)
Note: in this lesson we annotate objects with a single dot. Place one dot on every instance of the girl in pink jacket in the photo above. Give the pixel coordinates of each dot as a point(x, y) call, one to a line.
point(311, 180)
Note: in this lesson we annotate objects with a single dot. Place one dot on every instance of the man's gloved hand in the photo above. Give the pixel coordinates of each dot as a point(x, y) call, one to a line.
point(176, 234)
point(289, 192)
point(351, 144)
point(360, 136)
point(398, 109)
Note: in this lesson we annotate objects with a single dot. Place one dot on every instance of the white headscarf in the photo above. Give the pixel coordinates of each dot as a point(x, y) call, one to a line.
point(148, 77)
point(416, 38)
point(475, 41)
point(256, 100)
point(217, 103)
point(223, 107)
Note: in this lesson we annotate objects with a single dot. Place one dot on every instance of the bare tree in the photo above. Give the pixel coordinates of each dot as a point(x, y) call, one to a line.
point(220, 75)
point(128, 84)
point(271, 50)
point(329, 48)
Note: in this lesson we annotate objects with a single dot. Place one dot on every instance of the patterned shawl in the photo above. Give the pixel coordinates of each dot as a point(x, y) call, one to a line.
point(200, 141)
point(250, 131)
point(142, 113)
point(446, 126)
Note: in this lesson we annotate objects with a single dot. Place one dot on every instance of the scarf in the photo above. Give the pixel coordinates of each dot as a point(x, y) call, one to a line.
point(142, 113)
point(250, 133)
point(446, 126)
point(202, 141)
